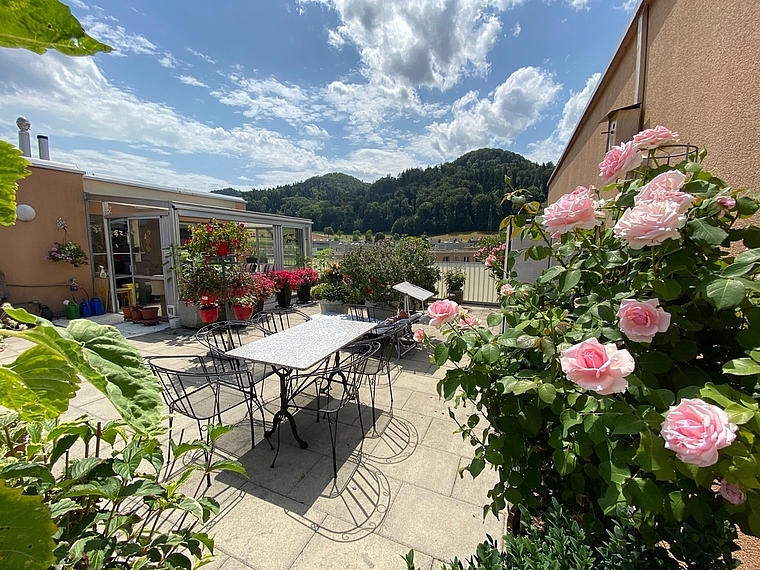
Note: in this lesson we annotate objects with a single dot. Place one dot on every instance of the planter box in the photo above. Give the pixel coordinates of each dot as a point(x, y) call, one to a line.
point(188, 315)
point(334, 307)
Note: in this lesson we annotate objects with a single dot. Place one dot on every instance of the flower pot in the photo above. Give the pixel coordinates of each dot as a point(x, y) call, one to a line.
point(149, 313)
point(333, 307)
point(189, 316)
point(260, 306)
point(209, 314)
point(283, 298)
point(304, 293)
point(456, 295)
point(241, 312)
point(127, 310)
point(136, 314)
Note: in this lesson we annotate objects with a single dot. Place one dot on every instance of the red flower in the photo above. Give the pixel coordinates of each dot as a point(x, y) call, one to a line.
point(223, 248)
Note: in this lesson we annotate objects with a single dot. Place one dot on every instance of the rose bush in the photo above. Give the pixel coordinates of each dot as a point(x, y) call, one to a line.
point(625, 382)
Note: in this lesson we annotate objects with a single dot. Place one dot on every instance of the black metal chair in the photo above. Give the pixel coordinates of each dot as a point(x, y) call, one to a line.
point(275, 320)
point(194, 387)
point(339, 386)
point(379, 364)
point(397, 331)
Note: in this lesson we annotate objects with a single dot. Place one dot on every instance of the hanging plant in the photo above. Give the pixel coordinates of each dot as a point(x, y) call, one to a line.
point(68, 252)
point(218, 238)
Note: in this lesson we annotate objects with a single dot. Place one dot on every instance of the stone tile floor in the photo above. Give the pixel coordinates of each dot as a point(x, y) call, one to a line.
point(399, 490)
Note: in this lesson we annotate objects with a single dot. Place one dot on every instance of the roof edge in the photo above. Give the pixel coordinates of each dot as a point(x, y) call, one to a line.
point(162, 188)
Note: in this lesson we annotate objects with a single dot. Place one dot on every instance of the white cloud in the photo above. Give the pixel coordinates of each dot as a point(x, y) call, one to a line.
point(135, 167)
point(201, 55)
point(550, 149)
point(511, 108)
point(628, 5)
point(267, 98)
point(168, 61)
point(579, 4)
point(192, 81)
point(315, 131)
point(517, 29)
point(79, 4)
point(118, 38)
point(420, 42)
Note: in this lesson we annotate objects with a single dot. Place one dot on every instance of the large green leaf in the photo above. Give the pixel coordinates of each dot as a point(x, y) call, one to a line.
point(26, 532)
point(12, 168)
point(725, 293)
point(40, 25)
point(704, 232)
point(741, 367)
point(38, 385)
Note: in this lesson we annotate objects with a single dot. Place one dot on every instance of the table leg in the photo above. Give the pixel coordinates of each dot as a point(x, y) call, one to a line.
point(283, 413)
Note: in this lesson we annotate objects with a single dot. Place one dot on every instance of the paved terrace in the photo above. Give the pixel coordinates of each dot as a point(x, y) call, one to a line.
point(403, 491)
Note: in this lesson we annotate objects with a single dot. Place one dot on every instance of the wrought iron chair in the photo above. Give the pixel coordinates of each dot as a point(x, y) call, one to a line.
point(339, 386)
point(275, 320)
point(379, 364)
point(398, 331)
point(194, 387)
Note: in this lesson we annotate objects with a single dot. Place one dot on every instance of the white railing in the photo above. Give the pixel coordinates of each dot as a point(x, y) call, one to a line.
point(479, 287)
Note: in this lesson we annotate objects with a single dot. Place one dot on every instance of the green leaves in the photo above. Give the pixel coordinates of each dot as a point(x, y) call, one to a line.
point(39, 25)
point(26, 533)
point(12, 168)
point(724, 293)
point(702, 231)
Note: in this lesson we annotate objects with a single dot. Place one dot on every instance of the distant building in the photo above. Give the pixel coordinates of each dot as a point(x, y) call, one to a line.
point(690, 65)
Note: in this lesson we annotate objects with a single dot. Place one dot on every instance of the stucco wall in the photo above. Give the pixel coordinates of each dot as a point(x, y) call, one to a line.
point(702, 79)
point(53, 194)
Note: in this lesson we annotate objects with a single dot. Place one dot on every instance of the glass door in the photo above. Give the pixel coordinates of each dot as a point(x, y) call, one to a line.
point(138, 262)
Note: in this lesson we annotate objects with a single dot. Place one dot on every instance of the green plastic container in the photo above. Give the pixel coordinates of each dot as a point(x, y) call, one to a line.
point(72, 311)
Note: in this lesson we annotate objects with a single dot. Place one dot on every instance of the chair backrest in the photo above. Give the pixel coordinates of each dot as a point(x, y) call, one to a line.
point(345, 379)
point(360, 312)
point(189, 384)
point(276, 320)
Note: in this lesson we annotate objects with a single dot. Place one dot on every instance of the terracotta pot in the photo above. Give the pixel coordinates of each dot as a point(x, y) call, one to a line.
point(136, 314)
point(241, 312)
point(149, 313)
point(284, 297)
point(127, 311)
point(209, 315)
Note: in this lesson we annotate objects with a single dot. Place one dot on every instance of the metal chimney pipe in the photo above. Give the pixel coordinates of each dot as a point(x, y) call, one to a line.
point(44, 147)
point(24, 141)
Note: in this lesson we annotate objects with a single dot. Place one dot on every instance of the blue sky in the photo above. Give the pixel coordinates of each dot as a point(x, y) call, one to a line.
point(257, 93)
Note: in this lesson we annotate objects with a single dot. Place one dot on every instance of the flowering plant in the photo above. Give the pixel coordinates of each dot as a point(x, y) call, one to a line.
point(69, 252)
point(307, 276)
point(204, 284)
point(625, 386)
point(248, 289)
point(285, 280)
point(218, 238)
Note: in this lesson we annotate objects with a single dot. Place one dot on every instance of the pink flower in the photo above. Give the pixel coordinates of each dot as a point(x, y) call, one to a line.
point(468, 322)
point(575, 210)
point(506, 290)
point(641, 320)
point(420, 336)
point(442, 312)
point(650, 223)
point(619, 160)
point(696, 430)
point(597, 367)
point(732, 492)
point(726, 203)
point(490, 260)
point(652, 138)
point(666, 186)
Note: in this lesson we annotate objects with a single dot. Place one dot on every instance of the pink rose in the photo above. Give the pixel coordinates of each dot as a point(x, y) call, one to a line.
point(696, 430)
point(575, 210)
point(506, 290)
point(732, 492)
point(442, 312)
point(650, 223)
point(652, 138)
point(666, 186)
point(597, 367)
point(468, 322)
point(618, 161)
point(490, 260)
point(726, 203)
point(420, 336)
point(641, 320)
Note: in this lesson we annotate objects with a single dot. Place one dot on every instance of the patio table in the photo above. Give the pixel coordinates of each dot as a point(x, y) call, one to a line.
point(301, 347)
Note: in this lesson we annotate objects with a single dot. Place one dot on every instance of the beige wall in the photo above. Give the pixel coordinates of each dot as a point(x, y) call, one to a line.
point(53, 194)
point(702, 80)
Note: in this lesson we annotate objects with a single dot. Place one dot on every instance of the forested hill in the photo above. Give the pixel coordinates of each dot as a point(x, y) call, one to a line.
point(462, 195)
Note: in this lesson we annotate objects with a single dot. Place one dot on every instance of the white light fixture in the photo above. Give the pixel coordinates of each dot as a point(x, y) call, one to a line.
point(25, 213)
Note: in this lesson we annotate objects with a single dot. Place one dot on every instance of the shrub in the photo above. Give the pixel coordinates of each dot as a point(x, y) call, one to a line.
point(454, 279)
point(625, 386)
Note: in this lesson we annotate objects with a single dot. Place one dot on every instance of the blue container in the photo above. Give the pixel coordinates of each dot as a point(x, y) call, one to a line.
point(96, 307)
point(84, 309)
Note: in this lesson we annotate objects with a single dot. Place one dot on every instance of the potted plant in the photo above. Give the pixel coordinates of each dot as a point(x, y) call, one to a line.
point(308, 277)
point(202, 284)
point(285, 283)
point(454, 279)
point(218, 238)
point(68, 252)
point(249, 291)
point(331, 296)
